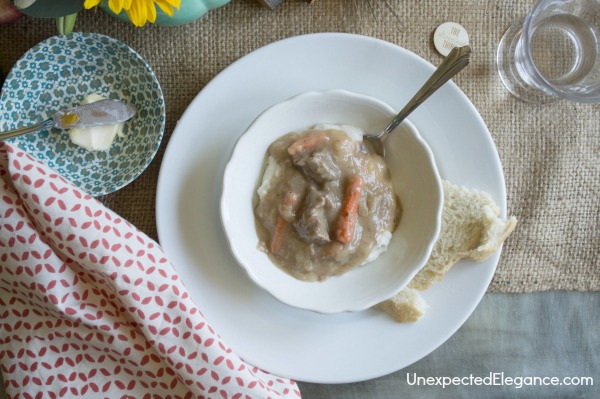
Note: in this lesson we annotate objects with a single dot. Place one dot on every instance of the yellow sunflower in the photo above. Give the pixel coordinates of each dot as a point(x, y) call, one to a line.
point(138, 11)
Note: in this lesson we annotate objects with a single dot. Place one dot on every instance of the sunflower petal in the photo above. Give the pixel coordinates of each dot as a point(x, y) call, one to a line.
point(115, 6)
point(165, 6)
point(91, 3)
point(151, 12)
point(137, 13)
point(174, 3)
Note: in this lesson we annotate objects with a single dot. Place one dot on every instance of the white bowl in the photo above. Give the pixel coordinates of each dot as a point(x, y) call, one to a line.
point(415, 179)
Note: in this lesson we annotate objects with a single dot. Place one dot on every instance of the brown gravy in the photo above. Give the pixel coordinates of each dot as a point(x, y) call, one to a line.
point(325, 203)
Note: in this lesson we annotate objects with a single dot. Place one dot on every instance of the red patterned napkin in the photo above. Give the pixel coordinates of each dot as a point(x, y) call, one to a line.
point(89, 305)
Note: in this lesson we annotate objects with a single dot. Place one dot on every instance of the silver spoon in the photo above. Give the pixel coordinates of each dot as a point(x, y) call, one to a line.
point(103, 112)
point(458, 58)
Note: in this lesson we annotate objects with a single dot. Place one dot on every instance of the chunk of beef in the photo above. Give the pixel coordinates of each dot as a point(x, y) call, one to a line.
point(312, 225)
point(321, 167)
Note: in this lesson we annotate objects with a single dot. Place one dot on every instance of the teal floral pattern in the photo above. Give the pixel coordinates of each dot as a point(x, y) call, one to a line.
point(57, 73)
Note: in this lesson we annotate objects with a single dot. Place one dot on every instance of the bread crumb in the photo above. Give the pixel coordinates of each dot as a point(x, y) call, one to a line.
point(407, 305)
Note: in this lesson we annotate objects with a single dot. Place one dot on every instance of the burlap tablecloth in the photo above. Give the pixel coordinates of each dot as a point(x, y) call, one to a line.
point(550, 153)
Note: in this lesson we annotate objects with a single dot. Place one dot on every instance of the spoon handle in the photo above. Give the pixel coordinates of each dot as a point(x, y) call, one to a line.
point(458, 58)
point(48, 123)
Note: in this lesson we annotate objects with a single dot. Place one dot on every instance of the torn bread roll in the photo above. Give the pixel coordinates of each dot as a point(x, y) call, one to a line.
point(471, 228)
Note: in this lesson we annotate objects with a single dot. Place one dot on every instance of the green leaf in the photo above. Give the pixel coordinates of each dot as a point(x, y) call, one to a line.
point(65, 24)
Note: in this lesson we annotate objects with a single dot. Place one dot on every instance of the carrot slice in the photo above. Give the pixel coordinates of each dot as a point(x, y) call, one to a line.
point(310, 142)
point(278, 234)
point(346, 220)
point(287, 210)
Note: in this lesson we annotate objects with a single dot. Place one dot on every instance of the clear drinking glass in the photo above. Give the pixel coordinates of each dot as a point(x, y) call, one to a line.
point(553, 53)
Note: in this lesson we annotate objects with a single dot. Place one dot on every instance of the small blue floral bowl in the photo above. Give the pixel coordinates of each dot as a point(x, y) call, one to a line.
point(58, 73)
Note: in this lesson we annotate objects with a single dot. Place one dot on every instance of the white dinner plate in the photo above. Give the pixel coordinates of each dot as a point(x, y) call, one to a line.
point(283, 340)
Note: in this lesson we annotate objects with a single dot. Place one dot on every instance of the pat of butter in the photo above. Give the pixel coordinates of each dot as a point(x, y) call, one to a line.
point(97, 138)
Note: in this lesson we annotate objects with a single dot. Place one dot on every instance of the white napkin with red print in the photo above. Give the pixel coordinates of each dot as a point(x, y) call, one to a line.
point(89, 305)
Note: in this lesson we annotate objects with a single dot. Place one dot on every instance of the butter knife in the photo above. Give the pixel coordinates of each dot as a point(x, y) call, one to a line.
point(103, 112)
